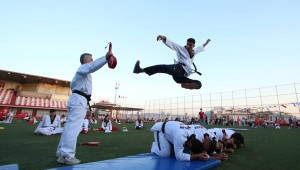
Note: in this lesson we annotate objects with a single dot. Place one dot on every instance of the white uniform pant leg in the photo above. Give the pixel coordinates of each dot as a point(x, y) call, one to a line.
point(57, 131)
point(85, 124)
point(45, 130)
point(161, 146)
point(73, 126)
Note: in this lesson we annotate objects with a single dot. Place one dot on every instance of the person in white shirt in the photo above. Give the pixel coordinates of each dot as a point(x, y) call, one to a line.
point(86, 123)
point(50, 124)
point(81, 86)
point(277, 125)
point(181, 70)
point(63, 119)
point(139, 124)
point(106, 125)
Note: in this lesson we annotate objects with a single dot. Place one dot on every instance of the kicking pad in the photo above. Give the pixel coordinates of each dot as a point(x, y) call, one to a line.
point(89, 144)
point(148, 161)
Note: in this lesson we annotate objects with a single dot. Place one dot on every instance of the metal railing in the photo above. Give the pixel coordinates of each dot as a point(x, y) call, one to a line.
point(278, 98)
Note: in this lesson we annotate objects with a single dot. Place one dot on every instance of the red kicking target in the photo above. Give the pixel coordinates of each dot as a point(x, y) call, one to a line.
point(89, 143)
point(112, 61)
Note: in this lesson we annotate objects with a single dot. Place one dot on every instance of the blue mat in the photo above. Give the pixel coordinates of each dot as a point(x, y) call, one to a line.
point(148, 161)
point(9, 167)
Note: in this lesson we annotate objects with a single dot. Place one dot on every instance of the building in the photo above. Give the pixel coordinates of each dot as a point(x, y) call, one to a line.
point(32, 95)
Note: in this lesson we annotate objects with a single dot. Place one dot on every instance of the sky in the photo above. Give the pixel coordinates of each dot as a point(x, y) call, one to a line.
point(253, 44)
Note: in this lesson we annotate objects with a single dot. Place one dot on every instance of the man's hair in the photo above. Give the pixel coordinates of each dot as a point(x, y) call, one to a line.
point(239, 137)
point(230, 146)
point(211, 147)
point(83, 56)
point(197, 146)
point(191, 40)
point(52, 110)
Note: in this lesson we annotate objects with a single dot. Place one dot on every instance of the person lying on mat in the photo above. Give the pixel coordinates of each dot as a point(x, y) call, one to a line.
point(231, 138)
point(50, 124)
point(187, 146)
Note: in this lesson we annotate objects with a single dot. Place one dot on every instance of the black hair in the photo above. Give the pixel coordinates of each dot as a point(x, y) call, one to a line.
point(212, 147)
point(197, 146)
point(237, 143)
point(83, 56)
point(191, 40)
point(230, 146)
point(206, 135)
point(220, 150)
point(239, 137)
point(106, 121)
point(52, 110)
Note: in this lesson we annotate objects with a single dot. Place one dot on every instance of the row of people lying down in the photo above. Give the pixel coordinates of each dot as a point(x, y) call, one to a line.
point(194, 142)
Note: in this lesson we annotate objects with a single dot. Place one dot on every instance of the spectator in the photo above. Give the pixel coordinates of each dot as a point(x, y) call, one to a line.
point(86, 123)
point(106, 125)
point(50, 124)
point(201, 118)
point(139, 124)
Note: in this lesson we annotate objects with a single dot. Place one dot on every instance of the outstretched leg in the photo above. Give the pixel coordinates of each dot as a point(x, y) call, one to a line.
point(171, 69)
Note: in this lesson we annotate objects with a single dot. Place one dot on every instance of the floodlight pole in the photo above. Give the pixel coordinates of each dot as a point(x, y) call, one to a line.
point(116, 88)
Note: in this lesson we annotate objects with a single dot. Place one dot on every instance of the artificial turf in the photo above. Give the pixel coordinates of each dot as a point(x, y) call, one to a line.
point(266, 148)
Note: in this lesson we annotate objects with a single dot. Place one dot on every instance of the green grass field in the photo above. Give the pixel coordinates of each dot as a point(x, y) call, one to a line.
point(265, 148)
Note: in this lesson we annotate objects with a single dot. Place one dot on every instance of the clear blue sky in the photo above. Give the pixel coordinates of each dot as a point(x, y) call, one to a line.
point(254, 43)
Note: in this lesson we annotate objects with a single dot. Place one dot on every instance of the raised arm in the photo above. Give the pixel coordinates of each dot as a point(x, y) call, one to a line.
point(207, 41)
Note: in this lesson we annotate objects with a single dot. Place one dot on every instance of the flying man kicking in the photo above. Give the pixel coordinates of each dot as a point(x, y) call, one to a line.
point(182, 67)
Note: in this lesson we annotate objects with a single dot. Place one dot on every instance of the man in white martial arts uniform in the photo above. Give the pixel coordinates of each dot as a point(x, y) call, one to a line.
point(50, 124)
point(181, 70)
point(81, 87)
point(106, 125)
point(228, 136)
point(181, 137)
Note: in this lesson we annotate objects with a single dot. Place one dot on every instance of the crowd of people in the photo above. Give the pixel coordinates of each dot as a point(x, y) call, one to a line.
point(187, 142)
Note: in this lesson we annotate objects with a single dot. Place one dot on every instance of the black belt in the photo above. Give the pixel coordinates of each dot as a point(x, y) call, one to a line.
point(157, 134)
point(195, 70)
point(163, 127)
point(158, 143)
point(88, 97)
